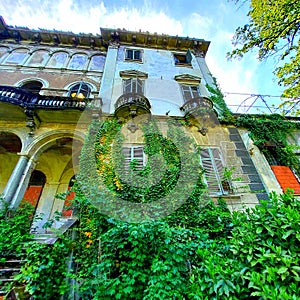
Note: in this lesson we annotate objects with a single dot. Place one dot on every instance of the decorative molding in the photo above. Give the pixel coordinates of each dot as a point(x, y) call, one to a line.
point(187, 78)
point(133, 74)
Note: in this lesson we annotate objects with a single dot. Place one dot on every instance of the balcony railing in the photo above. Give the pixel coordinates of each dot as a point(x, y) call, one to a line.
point(197, 105)
point(20, 97)
point(132, 102)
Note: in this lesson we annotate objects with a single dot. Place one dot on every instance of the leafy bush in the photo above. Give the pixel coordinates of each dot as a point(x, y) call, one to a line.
point(14, 230)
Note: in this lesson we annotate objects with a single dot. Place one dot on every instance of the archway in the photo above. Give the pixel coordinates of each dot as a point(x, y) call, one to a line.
point(10, 146)
point(35, 188)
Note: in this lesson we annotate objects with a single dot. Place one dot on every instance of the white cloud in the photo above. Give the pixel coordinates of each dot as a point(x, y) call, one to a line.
point(233, 76)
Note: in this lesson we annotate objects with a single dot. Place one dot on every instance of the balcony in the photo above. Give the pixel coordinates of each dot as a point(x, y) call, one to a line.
point(132, 104)
point(200, 113)
point(197, 106)
point(26, 99)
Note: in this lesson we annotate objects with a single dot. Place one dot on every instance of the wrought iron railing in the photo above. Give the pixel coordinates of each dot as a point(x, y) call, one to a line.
point(133, 99)
point(19, 96)
point(196, 104)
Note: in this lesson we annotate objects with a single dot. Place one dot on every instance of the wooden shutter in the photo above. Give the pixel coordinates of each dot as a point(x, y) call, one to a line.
point(211, 160)
point(134, 153)
point(186, 92)
point(189, 56)
point(127, 86)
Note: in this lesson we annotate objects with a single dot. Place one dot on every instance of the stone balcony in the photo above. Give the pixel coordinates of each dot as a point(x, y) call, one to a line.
point(197, 106)
point(200, 113)
point(132, 104)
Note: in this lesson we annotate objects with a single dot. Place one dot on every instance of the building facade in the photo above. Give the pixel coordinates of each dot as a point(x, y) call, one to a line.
point(48, 79)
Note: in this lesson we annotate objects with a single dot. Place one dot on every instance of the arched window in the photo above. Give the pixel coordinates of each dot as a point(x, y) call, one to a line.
point(97, 63)
point(58, 60)
point(3, 51)
point(38, 58)
point(16, 57)
point(80, 90)
point(32, 86)
point(78, 61)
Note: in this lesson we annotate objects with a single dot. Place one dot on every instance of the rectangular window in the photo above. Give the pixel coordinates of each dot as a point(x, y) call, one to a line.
point(134, 157)
point(189, 92)
point(133, 85)
point(212, 163)
point(133, 54)
point(183, 59)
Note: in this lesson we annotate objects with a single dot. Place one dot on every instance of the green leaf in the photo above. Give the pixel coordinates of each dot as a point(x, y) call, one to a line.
point(282, 270)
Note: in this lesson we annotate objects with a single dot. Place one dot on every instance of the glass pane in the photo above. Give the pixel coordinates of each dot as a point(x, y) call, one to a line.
point(78, 61)
point(58, 60)
point(16, 57)
point(137, 54)
point(129, 54)
point(97, 63)
point(38, 58)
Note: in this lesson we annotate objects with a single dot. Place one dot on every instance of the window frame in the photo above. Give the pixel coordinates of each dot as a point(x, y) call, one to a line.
point(193, 94)
point(79, 89)
point(213, 165)
point(133, 58)
point(136, 85)
point(183, 59)
point(128, 159)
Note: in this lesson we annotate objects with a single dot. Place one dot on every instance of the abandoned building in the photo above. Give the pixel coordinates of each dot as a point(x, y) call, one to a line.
point(48, 78)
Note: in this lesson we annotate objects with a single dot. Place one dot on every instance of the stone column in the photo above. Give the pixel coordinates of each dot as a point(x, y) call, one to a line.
point(108, 78)
point(23, 181)
point(45, 206)
point(15, 178)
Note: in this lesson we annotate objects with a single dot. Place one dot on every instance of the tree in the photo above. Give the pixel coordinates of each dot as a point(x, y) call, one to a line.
point(273, 29)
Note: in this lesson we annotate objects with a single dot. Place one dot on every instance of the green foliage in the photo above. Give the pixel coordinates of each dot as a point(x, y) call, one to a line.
point(272, 129)
point(273, 28)
point(14, 230)
point(45, 271)
point(220, 105)
point(145, 261)
point(259, 260)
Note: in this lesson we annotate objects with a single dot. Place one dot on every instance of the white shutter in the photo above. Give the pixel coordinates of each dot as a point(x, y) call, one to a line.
point(127, 86)
point(212, 163)
point(139, 86)
point(134, 153)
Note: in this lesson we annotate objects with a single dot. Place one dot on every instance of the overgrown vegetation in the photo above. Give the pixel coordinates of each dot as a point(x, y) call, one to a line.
point(199, 251)
point(270, 134)
point(14, 230)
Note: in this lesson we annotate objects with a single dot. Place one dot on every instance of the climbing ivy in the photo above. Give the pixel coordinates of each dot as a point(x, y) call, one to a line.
point(273, 130)
point(218, 100)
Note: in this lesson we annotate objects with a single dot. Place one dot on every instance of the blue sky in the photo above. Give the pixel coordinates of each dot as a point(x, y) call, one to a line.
point(212, 20)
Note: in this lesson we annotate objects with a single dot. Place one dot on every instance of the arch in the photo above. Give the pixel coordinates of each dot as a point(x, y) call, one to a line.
point(58, 59)
point(38, 58)
point(35, 188)
point(10, 146)
point(10, 142)
point(46, 140)
point(17, 56)
point(78, 61)
point(33, 86)
point(97, 62)
point(3, 51)
point(22, 82)
point(76, 87)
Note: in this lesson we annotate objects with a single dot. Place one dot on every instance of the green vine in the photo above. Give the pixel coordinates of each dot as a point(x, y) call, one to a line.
point(270, 134)
point(225, 114)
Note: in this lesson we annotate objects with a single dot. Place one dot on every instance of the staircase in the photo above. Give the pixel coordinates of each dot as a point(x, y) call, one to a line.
point(8, 270)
